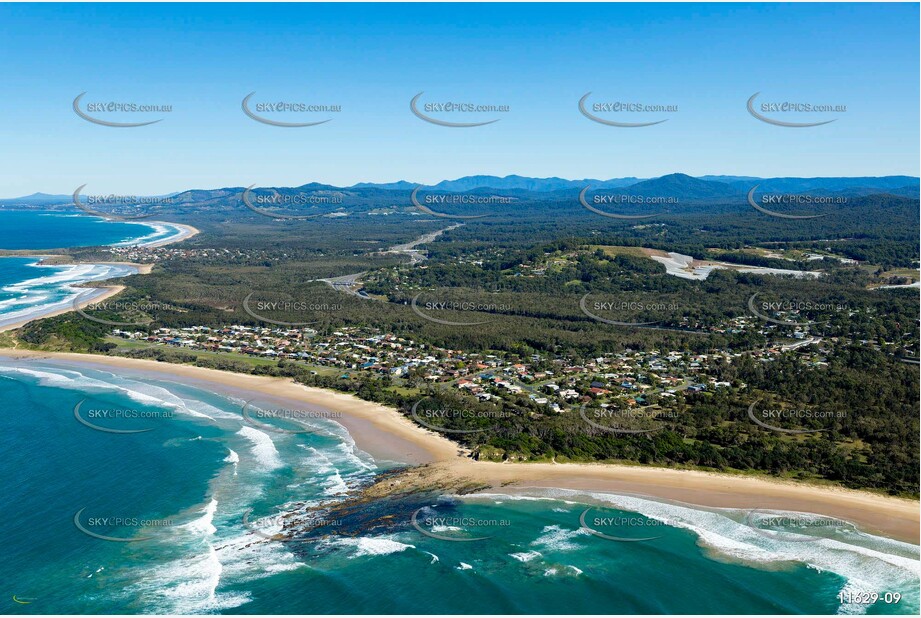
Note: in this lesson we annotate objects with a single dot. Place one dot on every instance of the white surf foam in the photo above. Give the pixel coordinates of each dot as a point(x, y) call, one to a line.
point(188, 586)
point(370, 546)
point(204, 523)
point(263, 449)
point(556, 538)
point(162, 232)
point(868, 563)
point(57, 291)
point(526, 556)
point(139, 392)
point(434, 557)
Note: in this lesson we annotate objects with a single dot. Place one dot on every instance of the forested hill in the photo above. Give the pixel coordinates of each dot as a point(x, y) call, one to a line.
point(675, 184)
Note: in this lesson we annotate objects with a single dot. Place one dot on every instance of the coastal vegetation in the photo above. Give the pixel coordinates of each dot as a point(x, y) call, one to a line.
point(493, 290)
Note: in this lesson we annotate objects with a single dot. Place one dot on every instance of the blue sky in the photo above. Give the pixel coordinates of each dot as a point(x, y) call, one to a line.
point(372, 59)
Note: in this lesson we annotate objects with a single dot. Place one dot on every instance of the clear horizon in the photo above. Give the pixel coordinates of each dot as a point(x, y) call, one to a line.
point(706, 59)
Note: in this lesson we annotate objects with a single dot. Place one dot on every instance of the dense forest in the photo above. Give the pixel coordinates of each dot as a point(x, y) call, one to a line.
point(527, 296)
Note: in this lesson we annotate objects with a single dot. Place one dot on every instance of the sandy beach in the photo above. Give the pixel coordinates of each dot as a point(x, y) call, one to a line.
point(187, 231)
point(143, 269)
point(106, 292)
point(386, 434)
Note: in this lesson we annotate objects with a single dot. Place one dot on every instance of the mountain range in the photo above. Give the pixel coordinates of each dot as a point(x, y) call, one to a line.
point(703, 186)
point(677, 185)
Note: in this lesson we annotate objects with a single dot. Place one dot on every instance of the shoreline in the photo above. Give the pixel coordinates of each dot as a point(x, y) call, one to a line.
point(107, 292)
point(185, 232)
point(385, 433)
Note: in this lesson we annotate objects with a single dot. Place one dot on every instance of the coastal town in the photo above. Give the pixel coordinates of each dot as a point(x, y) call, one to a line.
point(149, 255)
point(630, 378)
point(437, 309)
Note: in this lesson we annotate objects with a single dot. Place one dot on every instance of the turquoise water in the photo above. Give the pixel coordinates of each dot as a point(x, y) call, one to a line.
point(28, 229)
point(201, 468)
point(28, 290)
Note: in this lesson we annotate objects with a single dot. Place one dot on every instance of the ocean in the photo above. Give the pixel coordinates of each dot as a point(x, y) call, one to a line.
point(192, 502)
point(31, 229)
point(29, 289)
point(128, 493)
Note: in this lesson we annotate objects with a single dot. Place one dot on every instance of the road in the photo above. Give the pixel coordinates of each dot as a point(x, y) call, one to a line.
point(351, 284)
